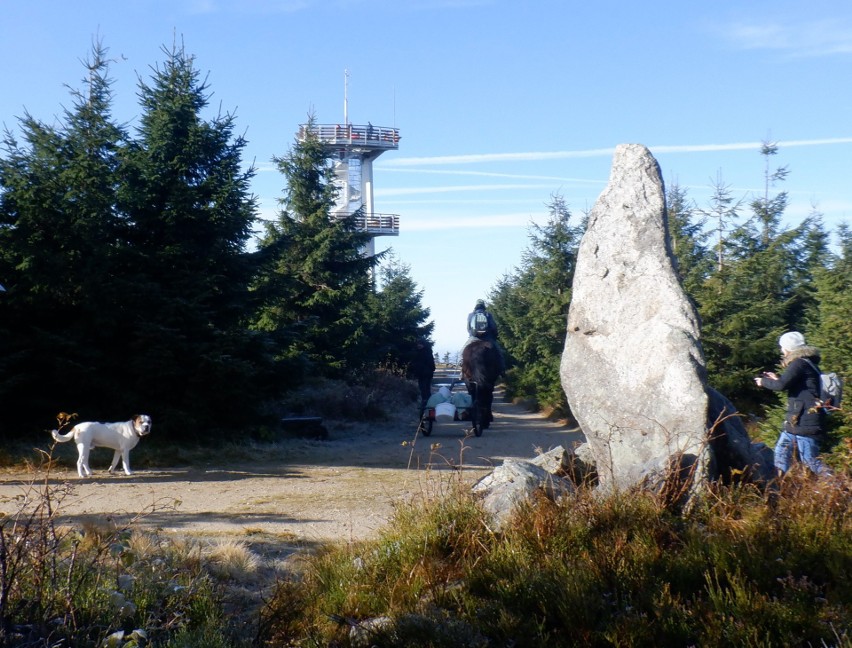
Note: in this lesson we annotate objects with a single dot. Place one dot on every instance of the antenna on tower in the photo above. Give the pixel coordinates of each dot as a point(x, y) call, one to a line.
point(345, 97)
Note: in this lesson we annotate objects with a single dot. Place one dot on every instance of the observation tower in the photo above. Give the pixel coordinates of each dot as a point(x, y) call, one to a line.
point(352, 150)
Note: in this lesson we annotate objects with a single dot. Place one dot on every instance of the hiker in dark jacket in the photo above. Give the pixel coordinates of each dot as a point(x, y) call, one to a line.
point(422, 367)
point(489, 332)
point(803, 424)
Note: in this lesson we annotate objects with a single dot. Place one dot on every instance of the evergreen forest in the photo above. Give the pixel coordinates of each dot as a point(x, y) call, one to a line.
point(133, 275)
point(750, 276)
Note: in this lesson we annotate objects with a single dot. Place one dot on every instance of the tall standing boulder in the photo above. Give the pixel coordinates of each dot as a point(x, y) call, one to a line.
point(632, 368)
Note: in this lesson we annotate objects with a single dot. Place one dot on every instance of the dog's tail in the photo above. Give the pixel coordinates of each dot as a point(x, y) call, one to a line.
point(62, 438)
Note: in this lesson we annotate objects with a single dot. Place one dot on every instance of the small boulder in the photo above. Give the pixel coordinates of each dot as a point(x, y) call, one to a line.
point(515, 482)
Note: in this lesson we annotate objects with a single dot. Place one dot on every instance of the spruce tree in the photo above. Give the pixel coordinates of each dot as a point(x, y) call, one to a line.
point(723, 212)
point(62, 241)
point(396, 315)
point(191, 213)
point(532, 306)
point(830, 324)
point(812, 257)
point(752, 296)
point(688, 236)
point(314, 278)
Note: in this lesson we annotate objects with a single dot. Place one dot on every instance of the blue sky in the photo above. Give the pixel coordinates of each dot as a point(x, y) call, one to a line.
point(500, 105)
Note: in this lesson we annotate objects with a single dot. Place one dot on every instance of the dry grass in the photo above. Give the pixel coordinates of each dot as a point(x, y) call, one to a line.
point(746, 568)
point(232, 560)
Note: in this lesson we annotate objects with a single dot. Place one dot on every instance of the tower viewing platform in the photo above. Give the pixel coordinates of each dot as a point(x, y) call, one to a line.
point(360, 139)
point(352, 149)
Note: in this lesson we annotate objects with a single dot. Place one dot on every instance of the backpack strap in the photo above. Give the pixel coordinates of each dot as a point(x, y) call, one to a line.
point(819, 377)
point(813, 366)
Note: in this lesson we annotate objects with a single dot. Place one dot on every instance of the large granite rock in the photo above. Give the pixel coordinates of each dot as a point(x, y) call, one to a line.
point(632, 369)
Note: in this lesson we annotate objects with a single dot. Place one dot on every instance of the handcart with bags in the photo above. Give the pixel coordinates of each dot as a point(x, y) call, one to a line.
point(450, 403)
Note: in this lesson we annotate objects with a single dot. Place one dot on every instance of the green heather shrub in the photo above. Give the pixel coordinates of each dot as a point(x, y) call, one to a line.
point(745, 568)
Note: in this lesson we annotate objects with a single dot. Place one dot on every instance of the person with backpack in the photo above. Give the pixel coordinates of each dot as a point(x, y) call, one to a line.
point(481, 326)
point(803, 424)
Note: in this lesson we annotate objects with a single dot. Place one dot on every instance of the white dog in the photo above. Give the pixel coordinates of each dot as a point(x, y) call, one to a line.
point(121, 437)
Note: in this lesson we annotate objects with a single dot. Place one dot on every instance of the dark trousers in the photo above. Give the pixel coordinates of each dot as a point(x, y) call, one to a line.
point(425, 384)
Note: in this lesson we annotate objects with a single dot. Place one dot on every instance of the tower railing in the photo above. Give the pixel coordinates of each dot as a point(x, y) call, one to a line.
point(351, 135)
point(374, 223)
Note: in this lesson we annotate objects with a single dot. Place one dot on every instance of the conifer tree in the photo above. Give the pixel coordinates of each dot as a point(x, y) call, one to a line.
point(62, 239)
point(751, 298)
point(724, 210)
point(811, 257)
point(188, 195)
point(396, 315)
point(830, 323)
point(686, 226)
point(315, 279)
point(191, 212)
point(532, 306)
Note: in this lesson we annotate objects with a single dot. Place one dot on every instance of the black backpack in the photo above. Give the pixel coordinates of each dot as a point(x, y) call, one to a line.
point(479, 324)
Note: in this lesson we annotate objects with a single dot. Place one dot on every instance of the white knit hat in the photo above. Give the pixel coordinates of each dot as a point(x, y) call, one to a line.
point(791, 340)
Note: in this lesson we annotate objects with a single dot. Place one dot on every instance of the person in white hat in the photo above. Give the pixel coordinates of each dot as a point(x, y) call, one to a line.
point(803, 425)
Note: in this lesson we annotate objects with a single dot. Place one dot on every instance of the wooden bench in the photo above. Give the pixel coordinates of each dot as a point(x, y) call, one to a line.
point(304, 426)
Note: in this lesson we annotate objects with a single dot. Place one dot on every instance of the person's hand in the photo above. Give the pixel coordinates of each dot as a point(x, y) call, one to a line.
point(758, 380)
point(771, 374)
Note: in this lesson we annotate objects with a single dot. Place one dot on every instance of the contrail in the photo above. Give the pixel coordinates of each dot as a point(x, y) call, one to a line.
point(741, 146)
point(490, 221)
point(453, 188)
point(599, 152)
point(482, 174)
point(501, 157)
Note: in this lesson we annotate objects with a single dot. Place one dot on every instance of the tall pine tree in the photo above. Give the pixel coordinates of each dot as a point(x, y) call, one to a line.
point(62, 241)
point(314, 279)
point(191, 212)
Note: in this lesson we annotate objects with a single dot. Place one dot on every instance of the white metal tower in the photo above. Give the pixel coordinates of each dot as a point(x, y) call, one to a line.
point(352, 150)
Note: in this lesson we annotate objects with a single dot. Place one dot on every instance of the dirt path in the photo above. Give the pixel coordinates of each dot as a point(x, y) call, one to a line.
point(300, 492)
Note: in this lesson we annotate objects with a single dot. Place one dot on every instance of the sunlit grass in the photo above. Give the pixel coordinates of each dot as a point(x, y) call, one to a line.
point(103, 584)
point(233, 560)
point(746, 568)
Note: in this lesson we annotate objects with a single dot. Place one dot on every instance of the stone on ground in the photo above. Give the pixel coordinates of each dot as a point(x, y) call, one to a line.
point(515, 482)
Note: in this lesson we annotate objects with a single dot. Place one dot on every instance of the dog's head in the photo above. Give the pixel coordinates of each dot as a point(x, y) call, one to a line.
point(142, 424)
